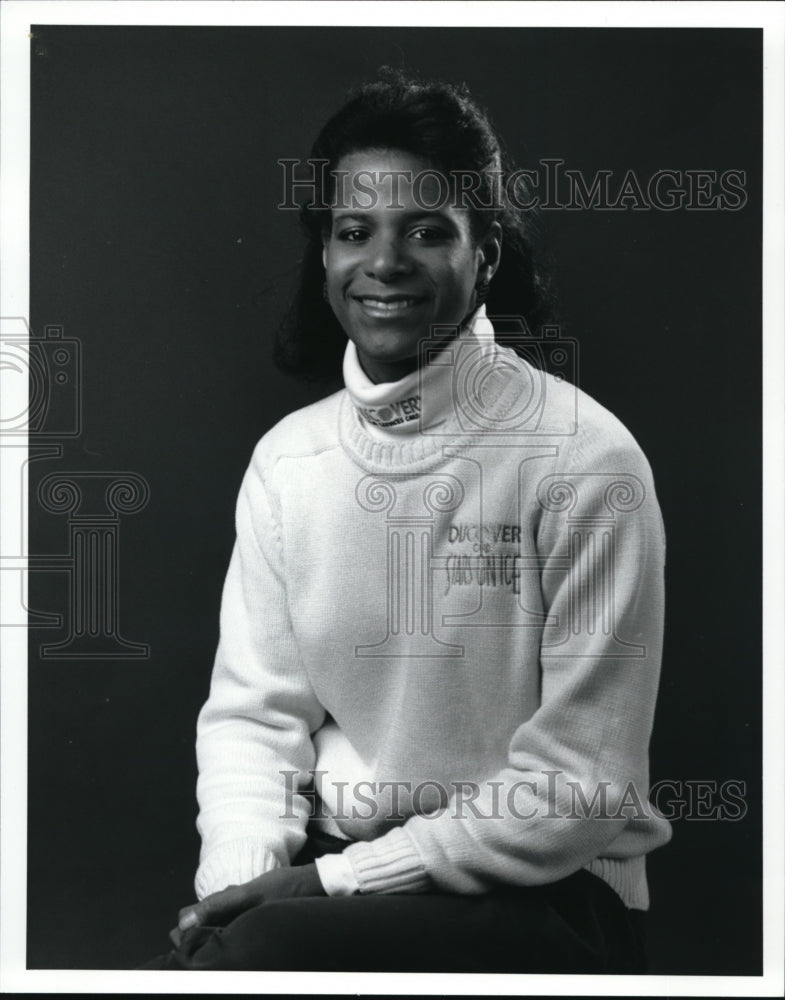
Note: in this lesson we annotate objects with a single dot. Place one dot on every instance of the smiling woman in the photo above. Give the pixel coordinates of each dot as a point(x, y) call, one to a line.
point(426, 736)
point(433, 146)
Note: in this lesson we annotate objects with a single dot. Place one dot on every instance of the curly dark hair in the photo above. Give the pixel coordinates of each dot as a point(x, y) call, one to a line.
point(440, 123)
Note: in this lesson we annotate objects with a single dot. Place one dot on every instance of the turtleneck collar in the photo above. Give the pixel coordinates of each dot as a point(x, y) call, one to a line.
point(420, 401)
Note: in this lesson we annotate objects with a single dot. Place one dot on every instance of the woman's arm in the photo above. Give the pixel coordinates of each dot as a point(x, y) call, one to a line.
point(260, 712)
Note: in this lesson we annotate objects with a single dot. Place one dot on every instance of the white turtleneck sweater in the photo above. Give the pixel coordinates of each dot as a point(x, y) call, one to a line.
point(445, 608)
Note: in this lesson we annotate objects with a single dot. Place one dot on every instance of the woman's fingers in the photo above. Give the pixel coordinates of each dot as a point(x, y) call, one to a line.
point(220, 908)
point(217, 909)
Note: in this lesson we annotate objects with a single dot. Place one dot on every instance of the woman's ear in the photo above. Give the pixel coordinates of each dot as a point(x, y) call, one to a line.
point(491, 253)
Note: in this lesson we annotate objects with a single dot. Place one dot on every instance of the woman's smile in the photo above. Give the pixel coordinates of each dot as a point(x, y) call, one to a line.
point(389, 306)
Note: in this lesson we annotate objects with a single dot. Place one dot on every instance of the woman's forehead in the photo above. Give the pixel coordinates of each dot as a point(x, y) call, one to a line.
point(371, 180)
point(382, 158)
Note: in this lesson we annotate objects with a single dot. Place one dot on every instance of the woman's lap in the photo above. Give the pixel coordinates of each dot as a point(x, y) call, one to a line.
point(578, 925)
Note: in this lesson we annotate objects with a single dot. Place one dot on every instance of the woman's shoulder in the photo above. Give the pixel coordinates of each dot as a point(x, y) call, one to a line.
point(306, 431)
point(598, 426)
point(604, 446)
point(586, 431)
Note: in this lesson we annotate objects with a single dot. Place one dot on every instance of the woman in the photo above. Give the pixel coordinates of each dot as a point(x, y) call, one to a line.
point(425, 745)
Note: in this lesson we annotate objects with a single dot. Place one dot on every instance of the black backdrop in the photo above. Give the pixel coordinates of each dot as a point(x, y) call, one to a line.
point(156, 243)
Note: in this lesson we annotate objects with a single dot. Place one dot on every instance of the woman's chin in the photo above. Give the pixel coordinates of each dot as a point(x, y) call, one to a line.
point(388, 365)
point(391, 346)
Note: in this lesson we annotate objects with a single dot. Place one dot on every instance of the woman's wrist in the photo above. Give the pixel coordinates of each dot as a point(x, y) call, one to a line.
point(309, 884)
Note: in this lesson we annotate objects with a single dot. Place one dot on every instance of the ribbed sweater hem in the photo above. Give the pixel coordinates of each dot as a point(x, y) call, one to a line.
point(392, 864)
point(626, 876)
point(233, 863)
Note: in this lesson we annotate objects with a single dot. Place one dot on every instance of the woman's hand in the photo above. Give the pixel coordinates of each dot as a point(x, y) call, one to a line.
point(222, 907)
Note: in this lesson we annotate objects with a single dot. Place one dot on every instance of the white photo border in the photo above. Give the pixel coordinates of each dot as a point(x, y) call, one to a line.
point(16, 17)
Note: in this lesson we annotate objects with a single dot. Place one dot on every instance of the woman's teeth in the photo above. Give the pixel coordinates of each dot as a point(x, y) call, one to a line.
point(391, 306)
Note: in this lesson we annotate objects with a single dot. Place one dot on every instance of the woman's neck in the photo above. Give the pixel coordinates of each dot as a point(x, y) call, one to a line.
point(380, 372)
point(419, 399)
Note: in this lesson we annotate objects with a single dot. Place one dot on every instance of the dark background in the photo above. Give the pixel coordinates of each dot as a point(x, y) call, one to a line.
point(156, 242)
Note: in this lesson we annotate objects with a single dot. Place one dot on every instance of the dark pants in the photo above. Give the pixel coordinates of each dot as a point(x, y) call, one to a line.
point(577, 925)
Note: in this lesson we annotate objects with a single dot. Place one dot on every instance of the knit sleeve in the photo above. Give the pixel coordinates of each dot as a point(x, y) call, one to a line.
point(573, 791)
point(261, 710)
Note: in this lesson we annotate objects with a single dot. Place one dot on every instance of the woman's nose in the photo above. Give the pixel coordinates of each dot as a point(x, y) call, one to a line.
point(387, 259)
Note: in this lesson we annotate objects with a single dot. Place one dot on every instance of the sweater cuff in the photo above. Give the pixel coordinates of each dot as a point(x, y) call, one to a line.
point(336, 875)
point(390, 863)
point(233, 863)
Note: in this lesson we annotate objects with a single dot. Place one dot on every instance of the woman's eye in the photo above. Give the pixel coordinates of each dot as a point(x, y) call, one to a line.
point(427, 234)
point(353, 235)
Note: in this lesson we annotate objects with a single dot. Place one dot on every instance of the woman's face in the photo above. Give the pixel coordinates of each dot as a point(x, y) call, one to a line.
point(395, 267)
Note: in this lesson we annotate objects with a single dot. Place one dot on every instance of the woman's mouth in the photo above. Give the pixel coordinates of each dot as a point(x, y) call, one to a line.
point(392, 305)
